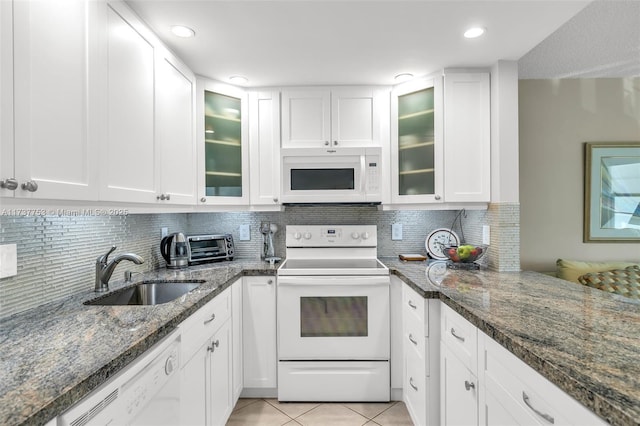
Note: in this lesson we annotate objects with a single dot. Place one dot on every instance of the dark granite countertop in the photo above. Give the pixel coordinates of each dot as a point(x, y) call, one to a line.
point(585, 341)
point(53, 355)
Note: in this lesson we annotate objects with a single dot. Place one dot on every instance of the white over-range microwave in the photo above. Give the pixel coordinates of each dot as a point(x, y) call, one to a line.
point(331, 175)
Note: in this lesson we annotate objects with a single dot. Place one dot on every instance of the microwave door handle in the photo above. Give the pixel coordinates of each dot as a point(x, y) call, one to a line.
point(363, 172)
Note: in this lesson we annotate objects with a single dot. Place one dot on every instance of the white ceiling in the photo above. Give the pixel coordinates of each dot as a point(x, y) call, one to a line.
point(307, 42)
point(603, 40)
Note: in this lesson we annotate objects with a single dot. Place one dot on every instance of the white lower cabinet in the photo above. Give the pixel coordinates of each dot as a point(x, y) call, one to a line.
point(236, 323)
point(206, 372)
point(420, 343)
point(515, 394)
point(259, 336)
point(482, 383)
point(459, 390)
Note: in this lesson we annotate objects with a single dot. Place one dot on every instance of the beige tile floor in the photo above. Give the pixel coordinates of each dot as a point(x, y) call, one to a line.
point(270, 412)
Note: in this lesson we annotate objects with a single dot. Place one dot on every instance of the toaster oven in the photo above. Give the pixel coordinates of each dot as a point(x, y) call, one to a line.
point(210, 248)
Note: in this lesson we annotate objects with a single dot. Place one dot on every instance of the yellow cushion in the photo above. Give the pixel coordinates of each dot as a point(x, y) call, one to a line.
point(620, 281)
point(570, 270)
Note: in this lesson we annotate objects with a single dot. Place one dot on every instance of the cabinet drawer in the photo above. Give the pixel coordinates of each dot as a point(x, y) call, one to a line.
point(415, 387)
point(204, 322)
point(415, 309)
point(461, 337)
point(414, 339)
point(536, 397)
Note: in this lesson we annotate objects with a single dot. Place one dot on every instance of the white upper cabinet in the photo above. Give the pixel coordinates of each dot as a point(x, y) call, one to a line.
point(331, 117)
point(416, 142)
point(8, 182)
point(147, 154)
point(467, 147)
point(175, 132)
point(306, 118)
point(222, 144)
point(53, 142)
point(264, 142)
point(128, 153)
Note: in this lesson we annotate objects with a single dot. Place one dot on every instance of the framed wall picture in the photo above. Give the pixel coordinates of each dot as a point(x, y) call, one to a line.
point(612, 192)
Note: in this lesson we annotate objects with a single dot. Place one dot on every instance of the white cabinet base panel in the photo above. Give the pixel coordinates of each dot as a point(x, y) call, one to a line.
point(333, 381)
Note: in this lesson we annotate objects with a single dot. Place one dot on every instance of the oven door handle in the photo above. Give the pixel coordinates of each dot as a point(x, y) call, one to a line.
point(382, 281)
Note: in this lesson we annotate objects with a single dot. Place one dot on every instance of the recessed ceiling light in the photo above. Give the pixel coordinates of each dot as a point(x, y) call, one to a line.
point(474, 32)
point(238, 79)
point(182, 31)
point(403, 77)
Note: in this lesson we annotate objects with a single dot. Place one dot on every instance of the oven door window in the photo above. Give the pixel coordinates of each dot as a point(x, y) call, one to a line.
point(322, 179)
point(333, 316)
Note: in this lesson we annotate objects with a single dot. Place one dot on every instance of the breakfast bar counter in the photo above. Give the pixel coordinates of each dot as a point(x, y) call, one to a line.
point(585, 341)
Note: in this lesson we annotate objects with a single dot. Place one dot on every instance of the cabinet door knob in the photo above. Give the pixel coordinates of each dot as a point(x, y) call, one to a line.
point(411, 340)
point(437, 197)
point(11, 184)
point(203, 200)
point(31, 186)
point(326, 143)
point(335, 142)
point(469, 385)
point(410, 303)
point(214, 345)
point(270, 282)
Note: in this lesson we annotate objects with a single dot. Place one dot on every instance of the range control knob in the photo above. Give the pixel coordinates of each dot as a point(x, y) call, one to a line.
point(355, 235)
point(297, 235)
point(365, 235)
point(307, 235)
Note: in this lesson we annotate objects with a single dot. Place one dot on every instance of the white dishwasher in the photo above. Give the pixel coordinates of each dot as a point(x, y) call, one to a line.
point(146, 392)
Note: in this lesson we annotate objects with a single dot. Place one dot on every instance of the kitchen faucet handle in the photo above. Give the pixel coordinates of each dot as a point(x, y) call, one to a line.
point(104, 257)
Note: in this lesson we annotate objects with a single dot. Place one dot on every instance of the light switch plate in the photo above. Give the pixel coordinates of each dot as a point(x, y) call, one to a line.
point(8, 260)
point(245, 233)
point(396, 231)
point(486, 234)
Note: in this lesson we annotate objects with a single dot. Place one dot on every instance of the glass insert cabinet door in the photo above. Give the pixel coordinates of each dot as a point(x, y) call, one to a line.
point(223, 145)
point(417, 148)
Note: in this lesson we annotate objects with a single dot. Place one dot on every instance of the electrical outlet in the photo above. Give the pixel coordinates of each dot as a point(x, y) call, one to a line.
point(396, 231)
point(245, 233)
point(164, 231)
point(8, 260)
point(486, 234)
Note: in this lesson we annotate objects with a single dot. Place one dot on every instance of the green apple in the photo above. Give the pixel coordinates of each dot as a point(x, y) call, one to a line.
point(464, 252)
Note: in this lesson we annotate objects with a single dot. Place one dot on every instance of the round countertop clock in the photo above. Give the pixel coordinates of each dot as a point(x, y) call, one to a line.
point(437, 239)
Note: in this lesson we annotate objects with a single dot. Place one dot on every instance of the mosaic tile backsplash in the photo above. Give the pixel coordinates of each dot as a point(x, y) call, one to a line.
point(56, 254)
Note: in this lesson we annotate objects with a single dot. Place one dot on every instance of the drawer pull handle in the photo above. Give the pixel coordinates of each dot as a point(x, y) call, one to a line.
point(411, 340)
point(547, 417)
point(207, 321)
point(469, 385)
point(412, 305)
point(453, 332)
point(412, 385)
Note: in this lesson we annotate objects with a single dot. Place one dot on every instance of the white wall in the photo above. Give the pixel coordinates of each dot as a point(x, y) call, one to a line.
point(556, 117)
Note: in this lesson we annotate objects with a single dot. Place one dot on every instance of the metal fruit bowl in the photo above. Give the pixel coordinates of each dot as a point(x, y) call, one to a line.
point(464, 253)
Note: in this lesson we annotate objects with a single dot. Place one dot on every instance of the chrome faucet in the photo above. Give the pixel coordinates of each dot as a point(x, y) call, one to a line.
point(104, 269)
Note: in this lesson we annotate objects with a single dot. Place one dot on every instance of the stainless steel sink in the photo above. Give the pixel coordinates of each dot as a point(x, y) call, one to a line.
point(147, 293)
